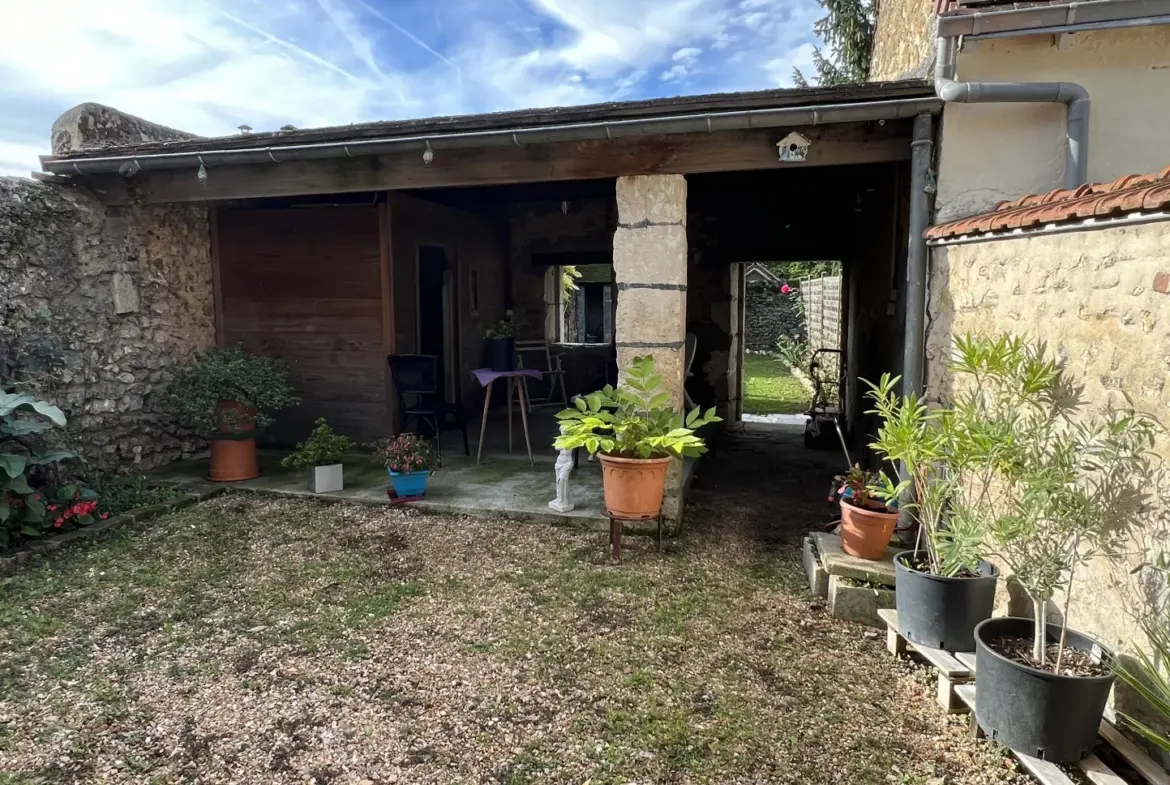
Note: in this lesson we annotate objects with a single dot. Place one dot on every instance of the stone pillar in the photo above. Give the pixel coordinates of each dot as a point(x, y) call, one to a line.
point(650, 271)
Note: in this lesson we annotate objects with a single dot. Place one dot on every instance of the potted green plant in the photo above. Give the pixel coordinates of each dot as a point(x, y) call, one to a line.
point(867, 520)
point(227, 393)
point(635, 434)
point(320, 456)
point(500, 347)
point(946, 460)
point(410, 461)
point(1067, 486)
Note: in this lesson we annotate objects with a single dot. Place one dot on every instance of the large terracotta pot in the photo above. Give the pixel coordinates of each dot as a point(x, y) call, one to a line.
point(233, 460)
point(865, 533)
point(633, 486)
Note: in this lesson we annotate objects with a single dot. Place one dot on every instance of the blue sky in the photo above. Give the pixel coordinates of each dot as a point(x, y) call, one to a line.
point(207, 66)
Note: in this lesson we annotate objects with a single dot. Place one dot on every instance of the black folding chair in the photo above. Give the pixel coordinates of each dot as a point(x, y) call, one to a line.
point(417, 376)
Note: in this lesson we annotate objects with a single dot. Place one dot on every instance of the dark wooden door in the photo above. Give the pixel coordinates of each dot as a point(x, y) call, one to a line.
point(304, 285)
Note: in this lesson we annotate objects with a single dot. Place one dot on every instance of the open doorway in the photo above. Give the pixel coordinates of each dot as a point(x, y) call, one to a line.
point(792, 347)
point(437, 327)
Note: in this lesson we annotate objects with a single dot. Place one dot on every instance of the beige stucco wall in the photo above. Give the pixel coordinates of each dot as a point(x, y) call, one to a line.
point(903, 44)
point(1089, 295)
point(991, 152)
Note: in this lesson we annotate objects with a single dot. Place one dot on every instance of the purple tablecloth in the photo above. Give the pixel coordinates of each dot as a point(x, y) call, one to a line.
point(486, 375)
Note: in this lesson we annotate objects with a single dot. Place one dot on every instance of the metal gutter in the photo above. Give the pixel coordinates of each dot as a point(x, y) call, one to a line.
point(914, 344)
point(1132, 219)
point(1032, 20)
point(1072, 95)
point(735, 120)
point(1115, 24)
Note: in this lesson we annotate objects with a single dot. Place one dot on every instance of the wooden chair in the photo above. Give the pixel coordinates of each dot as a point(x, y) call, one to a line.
point(538, 354)
point(417, 376)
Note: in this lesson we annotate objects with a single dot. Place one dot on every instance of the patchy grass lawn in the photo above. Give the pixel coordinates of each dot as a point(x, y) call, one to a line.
point(269, 641)
point(770, 388)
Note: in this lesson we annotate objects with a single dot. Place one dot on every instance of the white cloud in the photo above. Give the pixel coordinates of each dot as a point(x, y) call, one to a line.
point(207, 66)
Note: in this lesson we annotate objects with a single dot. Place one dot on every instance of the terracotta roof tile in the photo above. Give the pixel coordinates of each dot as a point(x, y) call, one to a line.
point(1130, 193)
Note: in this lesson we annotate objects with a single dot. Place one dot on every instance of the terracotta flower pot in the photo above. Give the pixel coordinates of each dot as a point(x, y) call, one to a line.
point(633, 486)
point(865, 533)
point(233, 460)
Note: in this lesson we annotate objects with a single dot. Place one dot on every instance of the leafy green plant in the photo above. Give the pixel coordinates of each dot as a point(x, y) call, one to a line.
point(505, 328)
point(323, 448)
point(122, 493)
point(23, 419)
point(634, 420)
point(1054, 485)
point(259, 385)
point(793, 351)
point(1148, 680)
point(569, 276)
point(861, 488)
point(405, 453)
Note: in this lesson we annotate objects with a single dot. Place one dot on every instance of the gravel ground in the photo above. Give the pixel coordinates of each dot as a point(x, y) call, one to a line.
point(255, 640)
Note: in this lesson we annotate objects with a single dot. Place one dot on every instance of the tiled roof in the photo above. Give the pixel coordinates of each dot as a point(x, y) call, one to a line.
point(1132, 193)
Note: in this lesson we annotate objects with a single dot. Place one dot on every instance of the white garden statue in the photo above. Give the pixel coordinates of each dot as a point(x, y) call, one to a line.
point(563, 502)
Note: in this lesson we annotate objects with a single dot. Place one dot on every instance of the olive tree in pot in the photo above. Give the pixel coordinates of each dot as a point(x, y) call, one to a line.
point(1067, 486)
point(320, 456)
point(636, 434)
point(227, 394)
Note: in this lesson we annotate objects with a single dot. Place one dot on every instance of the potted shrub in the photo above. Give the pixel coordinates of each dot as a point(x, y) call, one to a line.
point(227, 394)
point(1066, 488)
point(636, 435)
point(320, 456)
point(500, 347)
point(867, 521)
point(409, 460)
point(946, 459)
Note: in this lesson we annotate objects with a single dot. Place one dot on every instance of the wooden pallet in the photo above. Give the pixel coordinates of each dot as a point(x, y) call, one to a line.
point(951, 670)
point(1092, 768)
point(956, 693)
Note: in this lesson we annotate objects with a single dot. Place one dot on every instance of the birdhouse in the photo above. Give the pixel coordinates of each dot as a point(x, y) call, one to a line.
point(794, 147)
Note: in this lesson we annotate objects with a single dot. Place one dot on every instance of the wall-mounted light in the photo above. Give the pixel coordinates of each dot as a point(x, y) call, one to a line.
point(428, 154)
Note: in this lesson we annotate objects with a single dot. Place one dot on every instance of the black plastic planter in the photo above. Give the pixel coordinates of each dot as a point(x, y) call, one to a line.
point(1036, 712)
point(942, 612)
point(499, 354)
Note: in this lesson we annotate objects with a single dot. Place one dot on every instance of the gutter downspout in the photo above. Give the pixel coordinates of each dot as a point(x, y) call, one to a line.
point(914, 345)
point(1072, 95)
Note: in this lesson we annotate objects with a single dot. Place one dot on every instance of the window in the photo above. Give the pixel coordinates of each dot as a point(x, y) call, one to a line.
point(583, 315)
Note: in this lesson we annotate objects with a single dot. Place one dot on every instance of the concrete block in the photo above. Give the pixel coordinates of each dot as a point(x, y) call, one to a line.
point(656, 198)
point(837, 562)
point(655, 254)
point(858, 602)
point(818, 579)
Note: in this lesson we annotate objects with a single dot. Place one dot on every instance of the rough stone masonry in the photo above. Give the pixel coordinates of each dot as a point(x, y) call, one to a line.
point(650, 268)
point(111, 300)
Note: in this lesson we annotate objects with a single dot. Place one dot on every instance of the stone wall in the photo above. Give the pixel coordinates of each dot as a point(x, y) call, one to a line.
point(769, 314)
point(1092, 296)
point(121, 296)
point(903, 44)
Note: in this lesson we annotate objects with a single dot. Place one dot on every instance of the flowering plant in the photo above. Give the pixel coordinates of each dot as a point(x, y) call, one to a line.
point(75, 506)
point(785, 289)
point(406, 453)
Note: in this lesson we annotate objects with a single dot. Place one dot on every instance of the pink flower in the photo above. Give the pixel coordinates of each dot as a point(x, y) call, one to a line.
point(785, 289)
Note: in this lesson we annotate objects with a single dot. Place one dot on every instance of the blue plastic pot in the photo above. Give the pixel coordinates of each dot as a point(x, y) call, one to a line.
point(409, 483)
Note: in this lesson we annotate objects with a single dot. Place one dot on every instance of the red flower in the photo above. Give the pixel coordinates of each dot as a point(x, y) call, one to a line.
point(105, 515)
point(57, 523)
point(785, 289)
point(67, 514)
point(52, 508)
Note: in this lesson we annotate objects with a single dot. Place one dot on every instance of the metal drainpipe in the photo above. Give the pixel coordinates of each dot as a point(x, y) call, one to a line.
point(921, 156)
point(1072, 95)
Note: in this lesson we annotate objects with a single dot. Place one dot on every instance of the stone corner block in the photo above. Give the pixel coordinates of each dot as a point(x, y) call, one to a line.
point(653, 198)
point(653, 255)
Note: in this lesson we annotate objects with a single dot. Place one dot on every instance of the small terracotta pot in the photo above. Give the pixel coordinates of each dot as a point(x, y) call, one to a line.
point(865, 533)
point(233, 460)
point(633, 486)
point(232, 417)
